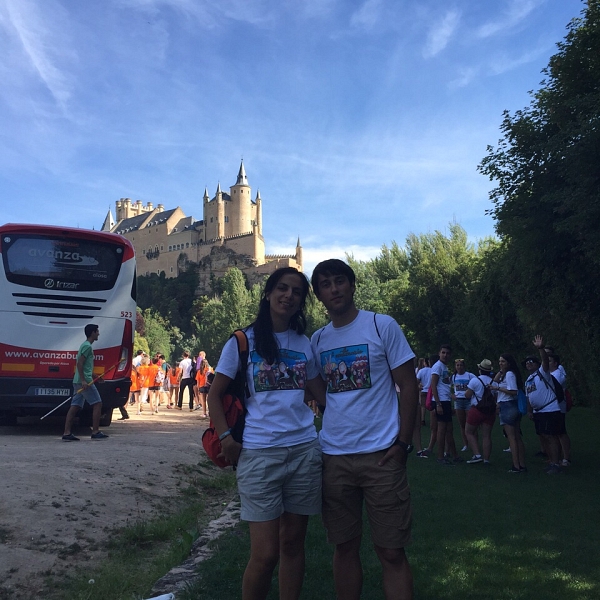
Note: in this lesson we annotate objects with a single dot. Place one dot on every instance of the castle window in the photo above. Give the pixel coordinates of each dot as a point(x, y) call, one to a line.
point(170, 248)
point(171, 269)
point(226, 219)
point(162, 247)
point(211, 219)
point(144, 251)
point(187, 245)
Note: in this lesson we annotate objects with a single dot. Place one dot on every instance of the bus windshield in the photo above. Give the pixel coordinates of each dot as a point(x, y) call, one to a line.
point(60, 263)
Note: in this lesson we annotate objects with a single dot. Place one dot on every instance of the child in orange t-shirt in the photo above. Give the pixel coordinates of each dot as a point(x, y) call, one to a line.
point(154, 385)
point(202, 388)
point(142, 372)
point(174, 376)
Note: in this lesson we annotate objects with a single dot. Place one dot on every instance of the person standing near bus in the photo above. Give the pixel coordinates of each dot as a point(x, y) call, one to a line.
point(83, 383)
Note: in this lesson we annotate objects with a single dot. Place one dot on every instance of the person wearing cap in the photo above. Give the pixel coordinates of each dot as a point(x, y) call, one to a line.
point(476, 418)
point(542, 397)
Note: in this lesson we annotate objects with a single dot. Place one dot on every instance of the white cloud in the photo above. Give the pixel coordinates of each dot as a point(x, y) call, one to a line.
point(441, 33)
point(367, 16)
point(503, 64)
point(41, 33)
point(516, 12)
point(464, 78)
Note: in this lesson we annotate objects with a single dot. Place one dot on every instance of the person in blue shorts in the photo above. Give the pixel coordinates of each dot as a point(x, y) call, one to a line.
point(85, 390)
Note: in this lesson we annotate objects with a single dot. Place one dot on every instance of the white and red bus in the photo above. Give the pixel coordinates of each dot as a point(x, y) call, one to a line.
point(53, 282)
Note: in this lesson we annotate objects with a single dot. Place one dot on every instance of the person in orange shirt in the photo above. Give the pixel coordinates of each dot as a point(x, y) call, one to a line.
point(202, 388)
point(134, 392)
point(156, 376)
point(174, 377)
point(143, 384)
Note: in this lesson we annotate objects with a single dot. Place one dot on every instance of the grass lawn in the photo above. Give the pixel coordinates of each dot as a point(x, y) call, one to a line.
point(479, 533)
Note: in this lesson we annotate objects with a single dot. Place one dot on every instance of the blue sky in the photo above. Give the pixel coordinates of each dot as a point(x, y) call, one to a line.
point(359, 121)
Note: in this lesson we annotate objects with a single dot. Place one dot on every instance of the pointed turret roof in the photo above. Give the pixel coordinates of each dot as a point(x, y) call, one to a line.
point(241, 178)
point(298, 244)
point(258, 195)
point(206, 196)
point(109, 222)
point(219, 188)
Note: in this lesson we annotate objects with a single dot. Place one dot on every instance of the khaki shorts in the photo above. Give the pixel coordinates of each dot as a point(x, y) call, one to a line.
point(350, 478)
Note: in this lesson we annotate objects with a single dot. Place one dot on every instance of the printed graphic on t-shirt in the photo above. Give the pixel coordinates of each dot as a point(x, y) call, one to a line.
point(287, 374)
point(460, 385)
point(530, 386)
point(346, 368)
point(445, 377)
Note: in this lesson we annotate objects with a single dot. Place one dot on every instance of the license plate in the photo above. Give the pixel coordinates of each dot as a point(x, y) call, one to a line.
point(52, 391)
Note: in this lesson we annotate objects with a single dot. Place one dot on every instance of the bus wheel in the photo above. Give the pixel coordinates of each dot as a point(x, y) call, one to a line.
point(106, 418)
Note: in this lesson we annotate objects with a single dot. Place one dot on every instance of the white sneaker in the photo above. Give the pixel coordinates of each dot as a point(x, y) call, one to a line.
point(476, 459)
point(506, 450)
point(565, 462)
point(464, 449)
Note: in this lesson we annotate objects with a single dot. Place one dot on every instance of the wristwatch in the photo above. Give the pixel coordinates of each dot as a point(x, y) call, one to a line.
point(408, 448)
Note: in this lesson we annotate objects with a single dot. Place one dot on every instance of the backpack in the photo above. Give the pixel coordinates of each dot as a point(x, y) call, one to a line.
point(429, 402)
point(160, 377)
point(522, 402)
point(558, 390)
point(234, 406)
point(487, 403)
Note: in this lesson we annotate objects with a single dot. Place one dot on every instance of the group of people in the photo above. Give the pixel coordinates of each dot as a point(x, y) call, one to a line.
point(285, 470)
point(479, 399)
point(360, 362)
point(155, 382)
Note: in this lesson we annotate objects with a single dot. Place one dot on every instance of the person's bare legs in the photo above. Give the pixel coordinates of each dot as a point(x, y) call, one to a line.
point(73, 410)
point(486, 434)
point(264, 554)
point(397, 576)
point(347, 570)
point(461, 416)
point(433, 429)
point(517, 448)
point(442, 428)
point(551, 442)
point(471, 433)
point(292, 531)
point(96, 414)
point(565, 445)
point(450, 445)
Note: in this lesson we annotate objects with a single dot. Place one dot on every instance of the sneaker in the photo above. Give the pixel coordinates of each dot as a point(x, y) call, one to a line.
point(523, 469)
point(506, 450)
point(476, 459)
point(553, 470)
point(422, 454)
point(513, 470)
point(98, 436)
point(487, 463)
point(464, 448)
point(426, 453)
point(565, 462)
point(123, 418)
point(445, 463)
point(70, 438)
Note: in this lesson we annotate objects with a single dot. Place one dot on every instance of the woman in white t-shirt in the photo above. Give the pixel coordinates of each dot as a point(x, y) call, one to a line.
point(279, 462)
point(507, 383)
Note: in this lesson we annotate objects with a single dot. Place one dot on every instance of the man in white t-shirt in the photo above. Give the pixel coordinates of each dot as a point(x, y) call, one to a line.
point(187, 381)
point(441, 393)
point(542, 398)
point(361, 356)
point(559, 373)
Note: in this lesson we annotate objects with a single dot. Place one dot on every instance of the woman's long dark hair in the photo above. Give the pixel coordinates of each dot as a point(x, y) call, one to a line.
point(514, 367)
point(265, 342)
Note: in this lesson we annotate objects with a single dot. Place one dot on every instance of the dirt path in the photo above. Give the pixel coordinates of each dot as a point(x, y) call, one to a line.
point(59, 501)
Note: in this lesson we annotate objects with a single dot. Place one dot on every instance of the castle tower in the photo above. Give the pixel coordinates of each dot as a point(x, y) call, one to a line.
point(240, 213)
point(220, 229)
point(205, 215)
point(299, 255)
point(258, 213)
point(109, 222)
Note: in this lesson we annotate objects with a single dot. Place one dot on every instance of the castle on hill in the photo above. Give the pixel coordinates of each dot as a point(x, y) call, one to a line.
point(229, 235)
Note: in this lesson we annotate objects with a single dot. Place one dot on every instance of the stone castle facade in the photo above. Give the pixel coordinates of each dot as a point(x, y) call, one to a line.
point(229, 235)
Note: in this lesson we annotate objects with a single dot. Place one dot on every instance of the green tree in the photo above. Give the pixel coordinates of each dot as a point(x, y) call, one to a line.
point(547, 200)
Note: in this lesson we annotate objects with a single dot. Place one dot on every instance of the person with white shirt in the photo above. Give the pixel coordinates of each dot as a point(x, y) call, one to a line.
point(542, 397)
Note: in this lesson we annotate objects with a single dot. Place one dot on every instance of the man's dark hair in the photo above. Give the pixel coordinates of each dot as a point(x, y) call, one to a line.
point(162, 356)
point(446, 347)
point(186, 354)
point(332, 266)
point(140, 352)
point(89, 329)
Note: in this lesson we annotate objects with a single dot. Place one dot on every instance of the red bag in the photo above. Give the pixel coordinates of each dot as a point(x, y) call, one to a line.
point(233, 406)
point(429, 402)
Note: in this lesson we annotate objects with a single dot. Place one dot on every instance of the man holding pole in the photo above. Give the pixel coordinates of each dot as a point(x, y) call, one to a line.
point(85, 390)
